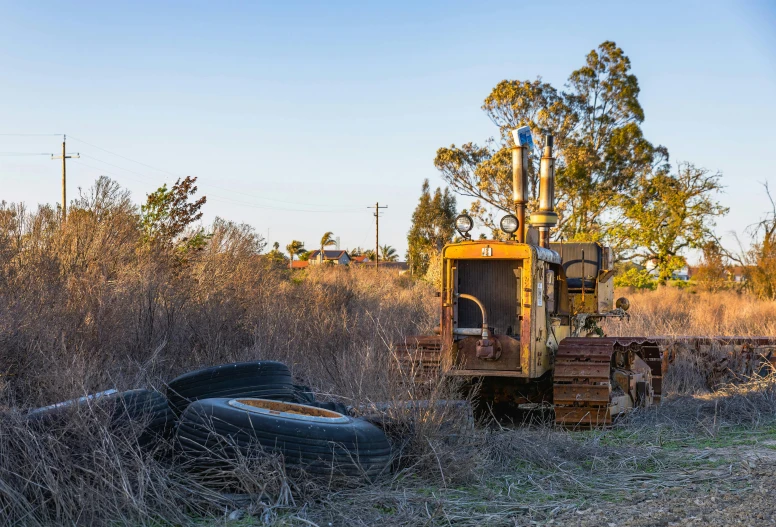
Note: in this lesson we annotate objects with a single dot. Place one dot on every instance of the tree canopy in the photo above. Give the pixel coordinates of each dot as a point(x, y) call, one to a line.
point(167, 213)
point(433, 225)
point(388, 254)
point(326, 240)
point(612, 184)
point(293, 249)
point(599, 146)
point(666, 214)
point(759, 261)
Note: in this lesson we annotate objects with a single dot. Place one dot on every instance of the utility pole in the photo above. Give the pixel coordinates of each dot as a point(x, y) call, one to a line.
point(64, 157)
point(377, 208)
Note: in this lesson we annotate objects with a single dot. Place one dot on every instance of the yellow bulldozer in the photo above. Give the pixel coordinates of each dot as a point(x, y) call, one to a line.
point(521, 315)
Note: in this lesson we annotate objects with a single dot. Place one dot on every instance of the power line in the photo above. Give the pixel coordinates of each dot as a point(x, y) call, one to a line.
point(102, 170)
point(377, 208)
point(119, 167)
point(265, 207)
point(206, 183)
point(31, 135)
point(25, 154)
point(214, 197)
point(124, 157)
point(363, 240)
point(298, 207)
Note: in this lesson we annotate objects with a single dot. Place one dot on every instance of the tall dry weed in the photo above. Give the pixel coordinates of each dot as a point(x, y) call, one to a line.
point(86, 306)
point(675, 312)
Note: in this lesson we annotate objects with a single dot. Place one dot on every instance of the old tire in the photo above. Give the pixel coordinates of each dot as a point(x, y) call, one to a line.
point(261, 379)
point(122, 409)
point(317, 441)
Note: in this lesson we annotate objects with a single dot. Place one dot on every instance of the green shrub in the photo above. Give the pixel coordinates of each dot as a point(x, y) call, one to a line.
point(636, 278)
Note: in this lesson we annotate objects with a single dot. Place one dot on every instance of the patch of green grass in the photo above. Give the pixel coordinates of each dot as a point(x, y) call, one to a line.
point(385, 509)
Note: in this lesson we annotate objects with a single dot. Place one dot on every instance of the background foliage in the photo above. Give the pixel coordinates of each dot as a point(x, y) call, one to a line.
point(612, 184)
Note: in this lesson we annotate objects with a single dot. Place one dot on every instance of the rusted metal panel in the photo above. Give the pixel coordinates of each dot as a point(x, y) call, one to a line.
point(485, 373)
point(420, 356)
point(526, 322)
point(596, 394)
point(591, 354)
point(579, 378)
point(696, 340)
point(508, 347)
point(472, 250)
point(582, 394)
point(575, 370)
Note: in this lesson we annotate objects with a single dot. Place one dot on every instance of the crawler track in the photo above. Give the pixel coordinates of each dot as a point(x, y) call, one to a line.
point(582, 380)
point(420, 357)
point(591, 375)
point(583, 384)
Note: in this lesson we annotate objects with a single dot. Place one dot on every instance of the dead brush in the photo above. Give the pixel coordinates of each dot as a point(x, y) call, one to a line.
point(750, 404)
point(87, 308)
point(670, 311)
point(81, 470)
point(516, 476)
point(430, 425)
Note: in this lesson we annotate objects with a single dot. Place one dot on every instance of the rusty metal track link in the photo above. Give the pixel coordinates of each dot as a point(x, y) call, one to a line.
point(419, 357)
point(581, 382)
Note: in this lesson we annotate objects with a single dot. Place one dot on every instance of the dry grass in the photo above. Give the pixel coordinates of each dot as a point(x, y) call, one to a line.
point(674, 312)
point(88, 307)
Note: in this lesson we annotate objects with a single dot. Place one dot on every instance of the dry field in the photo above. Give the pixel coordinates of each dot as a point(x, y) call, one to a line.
point(88, 307)
point(671, 311)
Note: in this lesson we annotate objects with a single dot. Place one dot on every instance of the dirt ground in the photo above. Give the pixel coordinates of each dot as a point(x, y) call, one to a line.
point(740, 492)
point(683, 477)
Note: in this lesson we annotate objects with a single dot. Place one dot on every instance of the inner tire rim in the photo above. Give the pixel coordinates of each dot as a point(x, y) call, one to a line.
point(298, 412)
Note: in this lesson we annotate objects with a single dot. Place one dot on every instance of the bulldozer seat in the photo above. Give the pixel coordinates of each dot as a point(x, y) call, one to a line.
point(572, 262)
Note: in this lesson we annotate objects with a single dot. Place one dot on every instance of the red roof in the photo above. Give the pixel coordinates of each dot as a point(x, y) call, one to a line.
point(360, 259)
point(299, 264)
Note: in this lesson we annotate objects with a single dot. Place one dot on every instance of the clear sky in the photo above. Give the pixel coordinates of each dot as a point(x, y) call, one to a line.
point(296, 116)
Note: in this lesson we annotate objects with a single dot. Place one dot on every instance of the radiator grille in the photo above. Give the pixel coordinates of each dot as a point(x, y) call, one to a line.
point(493, 282)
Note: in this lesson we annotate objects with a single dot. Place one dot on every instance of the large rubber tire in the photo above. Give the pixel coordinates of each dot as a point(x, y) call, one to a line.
point(262, 379)
point(122, 408)
point(319, 442)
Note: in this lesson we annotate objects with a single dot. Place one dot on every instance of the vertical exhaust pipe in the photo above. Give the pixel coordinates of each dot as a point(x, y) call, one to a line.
point(519, 185)
point(546, 218)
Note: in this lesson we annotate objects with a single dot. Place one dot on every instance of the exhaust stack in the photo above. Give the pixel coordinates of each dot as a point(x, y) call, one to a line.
point(546, 218)
point(519, 185)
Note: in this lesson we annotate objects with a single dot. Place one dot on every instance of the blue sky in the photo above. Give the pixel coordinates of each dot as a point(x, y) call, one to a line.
point(296, 116)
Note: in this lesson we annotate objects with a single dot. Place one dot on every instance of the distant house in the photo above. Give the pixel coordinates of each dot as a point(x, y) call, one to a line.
point(682, 274)
point(335, 257)
point(736, 274)
point(299, 264)
point(733, 273)
point(685, 273)
point(360, 259)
